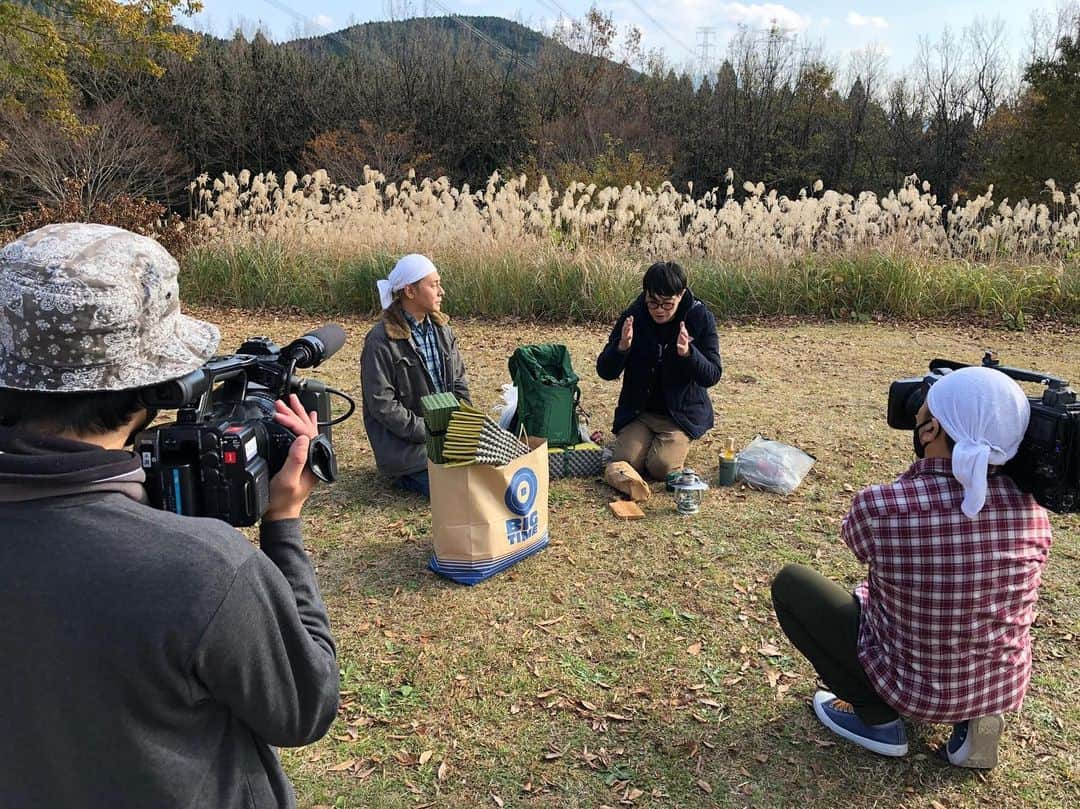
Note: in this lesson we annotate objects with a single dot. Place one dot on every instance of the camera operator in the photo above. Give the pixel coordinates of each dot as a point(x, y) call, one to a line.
point(149, 659)
point(939, 631)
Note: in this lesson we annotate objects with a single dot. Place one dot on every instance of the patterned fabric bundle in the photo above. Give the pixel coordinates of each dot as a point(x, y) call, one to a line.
point(579, 461)
point(473, 437)
point(437, 409)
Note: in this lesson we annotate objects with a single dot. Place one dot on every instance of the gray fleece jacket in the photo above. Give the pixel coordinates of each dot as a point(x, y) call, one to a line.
point(394, 380)
point(153, 661)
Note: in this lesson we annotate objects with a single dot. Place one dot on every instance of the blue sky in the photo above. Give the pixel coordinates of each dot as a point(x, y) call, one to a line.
point(670, 25)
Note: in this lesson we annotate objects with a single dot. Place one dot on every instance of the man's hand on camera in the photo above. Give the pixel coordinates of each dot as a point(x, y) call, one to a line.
point(290, 487)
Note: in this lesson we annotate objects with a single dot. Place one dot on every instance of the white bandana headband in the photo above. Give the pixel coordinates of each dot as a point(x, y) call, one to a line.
point(986, 413)
point(408, 270)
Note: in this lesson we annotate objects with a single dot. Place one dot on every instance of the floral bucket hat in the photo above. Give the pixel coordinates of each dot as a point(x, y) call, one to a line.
point(87, 307)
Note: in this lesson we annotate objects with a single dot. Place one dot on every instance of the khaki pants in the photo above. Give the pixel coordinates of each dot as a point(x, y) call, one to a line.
point(652, 444)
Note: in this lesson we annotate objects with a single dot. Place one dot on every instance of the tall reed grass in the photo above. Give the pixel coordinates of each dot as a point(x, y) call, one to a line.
point(514, 250)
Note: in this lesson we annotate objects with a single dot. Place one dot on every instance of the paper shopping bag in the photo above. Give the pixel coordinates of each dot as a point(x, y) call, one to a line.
point(485, 518)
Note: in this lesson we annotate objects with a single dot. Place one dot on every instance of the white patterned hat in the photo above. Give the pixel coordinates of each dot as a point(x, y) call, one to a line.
point(87, 307)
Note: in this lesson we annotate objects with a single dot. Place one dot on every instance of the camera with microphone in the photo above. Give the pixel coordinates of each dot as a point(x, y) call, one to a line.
point(217, 458)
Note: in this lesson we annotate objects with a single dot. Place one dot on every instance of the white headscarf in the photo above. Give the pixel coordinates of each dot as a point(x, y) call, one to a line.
point(408, 270)
point(986, 413)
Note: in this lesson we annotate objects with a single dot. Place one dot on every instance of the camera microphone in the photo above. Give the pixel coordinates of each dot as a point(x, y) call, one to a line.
point(312, 348)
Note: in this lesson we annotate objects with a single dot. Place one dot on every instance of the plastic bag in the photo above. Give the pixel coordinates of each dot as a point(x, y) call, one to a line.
point(507, 408)
point(773, 466)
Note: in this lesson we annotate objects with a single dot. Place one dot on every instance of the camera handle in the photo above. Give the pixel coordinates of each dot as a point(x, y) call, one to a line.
point(235, 379)
point(1054, 383)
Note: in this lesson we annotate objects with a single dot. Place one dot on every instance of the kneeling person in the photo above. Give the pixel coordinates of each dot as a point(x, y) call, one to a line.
point(408, 355)
point(666, 349)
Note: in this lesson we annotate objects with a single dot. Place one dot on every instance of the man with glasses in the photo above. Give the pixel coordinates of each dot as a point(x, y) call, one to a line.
point(666, 348)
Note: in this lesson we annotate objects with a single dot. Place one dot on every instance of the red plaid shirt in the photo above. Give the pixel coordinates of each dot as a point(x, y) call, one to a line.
point(947, 606)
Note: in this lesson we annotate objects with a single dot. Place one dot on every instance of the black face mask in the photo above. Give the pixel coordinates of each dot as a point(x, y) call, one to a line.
point(920, 448)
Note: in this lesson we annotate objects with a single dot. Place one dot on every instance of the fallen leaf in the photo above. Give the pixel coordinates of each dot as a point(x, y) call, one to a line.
point(694, 649)
point(551, 621)
point(498, 801)
point(344, 765)
point(444, 768)
point(704, 786)
point(425, 757)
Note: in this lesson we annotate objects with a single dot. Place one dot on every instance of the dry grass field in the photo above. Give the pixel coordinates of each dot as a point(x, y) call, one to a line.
point(639, 664)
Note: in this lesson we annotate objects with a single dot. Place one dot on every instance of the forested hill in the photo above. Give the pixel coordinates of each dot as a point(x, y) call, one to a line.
point(506, 37)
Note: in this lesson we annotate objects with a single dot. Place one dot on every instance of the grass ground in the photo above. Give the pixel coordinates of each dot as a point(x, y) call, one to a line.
point(639, 664)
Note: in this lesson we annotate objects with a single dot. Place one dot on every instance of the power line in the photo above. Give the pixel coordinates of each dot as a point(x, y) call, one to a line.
point(663, 30)
point(500, 48)
point(336, 36)
point(557, 7)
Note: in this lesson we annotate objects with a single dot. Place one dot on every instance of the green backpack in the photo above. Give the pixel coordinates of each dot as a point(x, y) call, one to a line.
point(547, 393)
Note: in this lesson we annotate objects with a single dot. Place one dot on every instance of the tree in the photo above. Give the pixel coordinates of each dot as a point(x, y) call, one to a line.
point(115, 154)
point(1041, 139)
point(37, 39)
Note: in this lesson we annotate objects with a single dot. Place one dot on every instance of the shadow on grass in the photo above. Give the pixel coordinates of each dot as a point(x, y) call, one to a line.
point(790, 759)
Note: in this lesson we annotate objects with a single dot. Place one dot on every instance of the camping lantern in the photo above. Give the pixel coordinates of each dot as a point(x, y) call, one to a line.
point(688, 490)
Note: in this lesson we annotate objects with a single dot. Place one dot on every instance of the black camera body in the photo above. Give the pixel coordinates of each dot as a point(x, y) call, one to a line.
point(217, 458)
point(1047, 465)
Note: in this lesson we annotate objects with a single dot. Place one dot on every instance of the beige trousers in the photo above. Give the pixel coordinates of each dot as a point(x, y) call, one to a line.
point(652, 444)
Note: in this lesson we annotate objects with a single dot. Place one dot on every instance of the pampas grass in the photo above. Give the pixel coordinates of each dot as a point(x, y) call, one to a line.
point(516, 248)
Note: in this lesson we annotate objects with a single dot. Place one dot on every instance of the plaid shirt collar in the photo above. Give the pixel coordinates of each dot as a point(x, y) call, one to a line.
point(427, 344)
point(928, 466)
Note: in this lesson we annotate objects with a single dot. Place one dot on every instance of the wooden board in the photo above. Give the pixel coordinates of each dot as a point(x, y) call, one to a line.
point(627, 509)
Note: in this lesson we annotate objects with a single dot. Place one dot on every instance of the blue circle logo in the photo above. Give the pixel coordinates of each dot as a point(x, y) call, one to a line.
point(521, 493)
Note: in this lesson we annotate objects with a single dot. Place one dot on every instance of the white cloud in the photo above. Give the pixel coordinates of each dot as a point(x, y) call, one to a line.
point(858, 20)
point(764, 15)
point(323, 21)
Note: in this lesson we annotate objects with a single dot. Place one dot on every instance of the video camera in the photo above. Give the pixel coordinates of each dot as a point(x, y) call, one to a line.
point(1047, 465)
point(217, 458)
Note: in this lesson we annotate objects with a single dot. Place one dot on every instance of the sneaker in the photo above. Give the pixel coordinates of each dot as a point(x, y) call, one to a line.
point(889, 739)
point(974, 743)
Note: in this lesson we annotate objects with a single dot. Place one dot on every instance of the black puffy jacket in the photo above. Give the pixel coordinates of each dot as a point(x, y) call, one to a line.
point(685, 379)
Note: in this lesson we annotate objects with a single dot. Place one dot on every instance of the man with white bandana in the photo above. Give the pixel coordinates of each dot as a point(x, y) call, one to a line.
point(939, 631)
point(410, 353)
